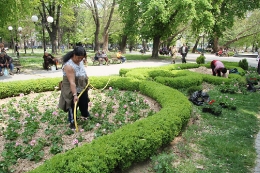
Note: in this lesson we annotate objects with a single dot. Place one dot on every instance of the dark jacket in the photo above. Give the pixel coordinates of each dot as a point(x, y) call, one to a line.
point(186, 50)
point(3, 60)
point(49, 58)
point(9, 59)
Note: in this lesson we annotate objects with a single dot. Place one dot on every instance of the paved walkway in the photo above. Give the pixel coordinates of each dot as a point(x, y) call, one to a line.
point(257, 147)
point(103, 70)
point(112, 69)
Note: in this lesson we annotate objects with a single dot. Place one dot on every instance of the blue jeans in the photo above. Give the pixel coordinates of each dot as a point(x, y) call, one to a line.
point(11, 66)
point(122, 58)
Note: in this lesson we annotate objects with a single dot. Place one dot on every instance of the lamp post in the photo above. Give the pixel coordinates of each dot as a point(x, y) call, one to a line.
point(19, 31)
point(10, 28)
point(49, 20)
point(202, 46)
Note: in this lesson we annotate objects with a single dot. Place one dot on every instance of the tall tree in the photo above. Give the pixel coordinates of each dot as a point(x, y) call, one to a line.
point(107, 24)
point(243, 28)
point(21, 8)
point(101, 10)
point(158, 19)
point(225, 13)
point(130, 16)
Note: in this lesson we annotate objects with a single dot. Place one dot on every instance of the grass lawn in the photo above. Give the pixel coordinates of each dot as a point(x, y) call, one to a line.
point(215, 144)
point(34, 60)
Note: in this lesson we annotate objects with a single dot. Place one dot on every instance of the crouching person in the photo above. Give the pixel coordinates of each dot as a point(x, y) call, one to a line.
point(218, 68)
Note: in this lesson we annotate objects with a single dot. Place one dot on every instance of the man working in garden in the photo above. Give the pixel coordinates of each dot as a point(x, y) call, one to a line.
point(218, 67)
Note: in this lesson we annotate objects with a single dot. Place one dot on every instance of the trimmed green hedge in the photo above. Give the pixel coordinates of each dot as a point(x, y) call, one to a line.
point(132, 143)
point(180, 82)
point(15, 88)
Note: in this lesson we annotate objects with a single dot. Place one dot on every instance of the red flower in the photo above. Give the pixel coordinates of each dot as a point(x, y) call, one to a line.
point(212, 101)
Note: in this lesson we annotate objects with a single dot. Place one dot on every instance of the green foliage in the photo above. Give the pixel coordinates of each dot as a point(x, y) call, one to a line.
point(192, 89)
point(180, 82)
point(131, 143)
point(200, 59)
point(252, 76)
point(17, 87)
point(214, 79)
point(233, 87)
point(163, 73)
point(162, 163)
point(138, 141)
point(243, 64)
point(231, 53)
point(212, 108)
point(139, 73)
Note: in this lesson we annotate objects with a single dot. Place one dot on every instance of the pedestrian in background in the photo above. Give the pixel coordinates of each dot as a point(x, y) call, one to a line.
point(184, 51)
point(174, 52)
point(17, 50)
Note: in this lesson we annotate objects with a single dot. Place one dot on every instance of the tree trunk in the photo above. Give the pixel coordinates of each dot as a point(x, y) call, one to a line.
point(96, 38)
point(53, 38)
point(123, 44)
point(156, 42)
point(105, 32)
point(95, 15)
point(105, 42)
point(53, 27)
point(215, 44)
point(196, 45)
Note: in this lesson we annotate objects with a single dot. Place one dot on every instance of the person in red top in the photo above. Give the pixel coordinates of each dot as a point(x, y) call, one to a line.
point(218, 67)
point(220, 52)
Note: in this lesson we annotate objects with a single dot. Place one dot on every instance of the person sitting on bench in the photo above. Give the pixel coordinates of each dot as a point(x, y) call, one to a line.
point(97, 56)
point(120, 56)
point(49, 60)
point(104, 56)
point(6, 62)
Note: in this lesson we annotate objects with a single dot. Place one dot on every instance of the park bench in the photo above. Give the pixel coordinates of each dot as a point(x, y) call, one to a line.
point(17, 65)
point(114, 59)
point(98, 62)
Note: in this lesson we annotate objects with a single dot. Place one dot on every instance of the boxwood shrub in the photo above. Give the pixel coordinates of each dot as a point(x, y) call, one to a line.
point(131, 143)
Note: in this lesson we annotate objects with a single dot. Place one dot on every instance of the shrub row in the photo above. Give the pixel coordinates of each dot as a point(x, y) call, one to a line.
point(134, 142)
point(131, 143)
point(9, 89)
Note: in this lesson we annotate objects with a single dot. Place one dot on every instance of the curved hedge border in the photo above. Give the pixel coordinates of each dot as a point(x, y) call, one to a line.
point(134, 142)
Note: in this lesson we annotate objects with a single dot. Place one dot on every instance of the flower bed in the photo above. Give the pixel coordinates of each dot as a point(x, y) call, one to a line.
point(36, 131)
